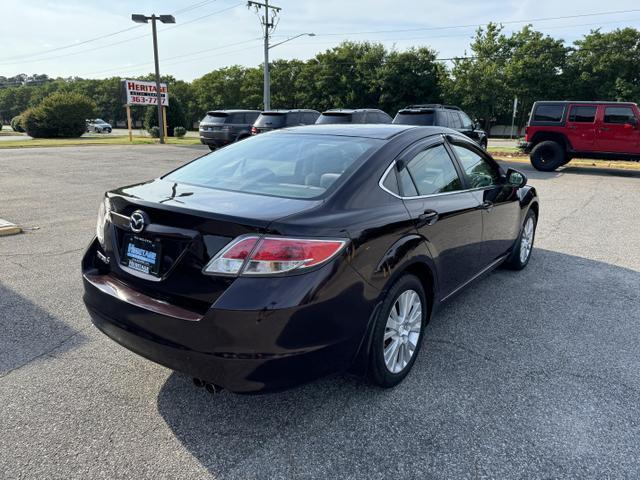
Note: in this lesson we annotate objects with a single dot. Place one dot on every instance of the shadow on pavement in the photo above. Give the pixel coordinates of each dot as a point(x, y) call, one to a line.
point(27, 332)
point(570, 169)
point(525, 374)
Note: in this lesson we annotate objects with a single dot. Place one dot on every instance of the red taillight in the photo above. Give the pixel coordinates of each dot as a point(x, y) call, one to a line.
point(272, 255)
point(254, 130)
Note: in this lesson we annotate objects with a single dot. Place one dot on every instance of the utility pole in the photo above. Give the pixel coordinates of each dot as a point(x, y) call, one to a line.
point(268, 26)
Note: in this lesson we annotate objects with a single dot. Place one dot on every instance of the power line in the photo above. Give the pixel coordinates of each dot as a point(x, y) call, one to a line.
point(101, 37)
point(110, 45)
point(421, 29)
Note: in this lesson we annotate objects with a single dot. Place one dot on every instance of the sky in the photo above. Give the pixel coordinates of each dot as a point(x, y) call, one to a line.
point(80, 37)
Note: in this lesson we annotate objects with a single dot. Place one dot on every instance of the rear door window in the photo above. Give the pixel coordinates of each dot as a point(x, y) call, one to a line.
point(618, 115)
point(432, 171)
point(583, 113)
point(548, 113)
point(454, 120)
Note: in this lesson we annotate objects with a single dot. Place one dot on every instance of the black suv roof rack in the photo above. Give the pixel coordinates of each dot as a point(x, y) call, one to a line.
point(432, 105)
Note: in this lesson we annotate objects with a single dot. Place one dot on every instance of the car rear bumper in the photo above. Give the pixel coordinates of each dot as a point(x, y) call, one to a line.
point(218, 139)
point(240, 350)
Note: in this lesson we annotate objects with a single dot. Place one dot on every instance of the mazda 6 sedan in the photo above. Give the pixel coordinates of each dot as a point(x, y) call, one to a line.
point(303, 252)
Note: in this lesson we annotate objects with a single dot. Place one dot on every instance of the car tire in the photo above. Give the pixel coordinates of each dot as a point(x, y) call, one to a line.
point(521, 253)
point(389, 365)
point(547, 156)
point(211, 147)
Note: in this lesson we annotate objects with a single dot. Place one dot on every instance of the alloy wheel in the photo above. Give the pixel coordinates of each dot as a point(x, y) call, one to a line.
point(526, 243)
point(402, 331)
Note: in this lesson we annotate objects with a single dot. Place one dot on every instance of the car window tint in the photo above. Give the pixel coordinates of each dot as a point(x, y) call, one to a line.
point(310, 118)
point(236, 118)
point(415, 118)
point(618, 115)
point(480, 172)
point(455, 120)
point(294, 118)
point(406, 184)
point(391, 182)
point(467, 124)
point(582, 113)
point(284, 165)
point(548, 113)
point(443, 119)
point(432, 171)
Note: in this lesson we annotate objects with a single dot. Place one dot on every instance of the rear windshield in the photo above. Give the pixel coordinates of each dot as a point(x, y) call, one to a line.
point(415, 118)
point(283, 165)
point(334, 118)
point(271, 120)
point(224, 117)
point(548, 113)
point(215, 117)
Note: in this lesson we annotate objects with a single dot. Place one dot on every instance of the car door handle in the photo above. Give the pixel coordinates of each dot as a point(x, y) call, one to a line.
point(429, 217)
point(486, 205)
point(604, 129)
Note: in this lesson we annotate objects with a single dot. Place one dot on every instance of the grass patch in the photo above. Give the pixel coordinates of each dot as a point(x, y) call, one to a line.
point(89, 141)
point(9, 133)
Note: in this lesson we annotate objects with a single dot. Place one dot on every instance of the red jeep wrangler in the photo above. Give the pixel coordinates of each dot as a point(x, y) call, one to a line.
point(560, 131)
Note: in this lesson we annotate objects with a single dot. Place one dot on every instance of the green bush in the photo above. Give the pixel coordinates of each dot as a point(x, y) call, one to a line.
point(16, 124)
point(175, 116)
point(154, 131)
point(60, 115)
point(179, 132)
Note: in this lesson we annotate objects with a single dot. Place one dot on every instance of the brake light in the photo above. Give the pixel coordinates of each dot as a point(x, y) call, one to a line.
point(272, 255)
point(254, 130)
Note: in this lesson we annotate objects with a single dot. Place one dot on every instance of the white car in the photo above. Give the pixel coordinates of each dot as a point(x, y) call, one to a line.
point(98, 126)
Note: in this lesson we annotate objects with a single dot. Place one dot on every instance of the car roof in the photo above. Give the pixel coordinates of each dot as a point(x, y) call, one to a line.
point(580, 102)
point(291, 110)
point(239, 110)
point(430, 106)
point(382, 131)
point(352, 110)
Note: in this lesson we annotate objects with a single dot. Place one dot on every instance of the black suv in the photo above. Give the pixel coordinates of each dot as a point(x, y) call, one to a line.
point(221, 127)
point(442, 116)
point(274, 119)
point(350, 115)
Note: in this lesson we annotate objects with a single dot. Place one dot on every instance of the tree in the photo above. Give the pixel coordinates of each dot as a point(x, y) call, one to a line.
point(606, 66)
point(410, 77)
point(61, 114)
point(175, 116)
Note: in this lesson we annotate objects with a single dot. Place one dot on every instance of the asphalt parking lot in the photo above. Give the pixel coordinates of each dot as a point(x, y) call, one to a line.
point(533, 374)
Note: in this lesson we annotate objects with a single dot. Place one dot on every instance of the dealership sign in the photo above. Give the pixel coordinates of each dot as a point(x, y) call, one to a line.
point(136, 92)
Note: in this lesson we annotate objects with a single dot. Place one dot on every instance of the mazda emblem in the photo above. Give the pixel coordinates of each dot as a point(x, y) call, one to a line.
point(138, 221)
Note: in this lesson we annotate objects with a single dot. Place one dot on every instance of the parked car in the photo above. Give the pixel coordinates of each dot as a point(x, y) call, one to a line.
point(353, 115)
point(274, 119)
point(221, 127)
point(444, 116)
point(98, 126)
point(560, 131)
point(311, 250)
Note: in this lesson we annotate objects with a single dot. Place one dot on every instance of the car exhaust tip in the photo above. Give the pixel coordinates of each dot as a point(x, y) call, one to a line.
point(198, 382)
point(212, 388)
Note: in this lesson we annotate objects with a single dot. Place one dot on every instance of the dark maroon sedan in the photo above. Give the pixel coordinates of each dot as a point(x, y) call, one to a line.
point(303, 252)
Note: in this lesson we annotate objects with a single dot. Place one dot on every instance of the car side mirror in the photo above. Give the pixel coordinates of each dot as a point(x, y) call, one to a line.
point(515, 178)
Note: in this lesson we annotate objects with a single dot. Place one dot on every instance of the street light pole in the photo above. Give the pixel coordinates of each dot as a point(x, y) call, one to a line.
point(267, 79)
point(157, 65)
point(164, 19)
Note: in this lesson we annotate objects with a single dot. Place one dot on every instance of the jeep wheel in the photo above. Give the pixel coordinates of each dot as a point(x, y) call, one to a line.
point(547, 156)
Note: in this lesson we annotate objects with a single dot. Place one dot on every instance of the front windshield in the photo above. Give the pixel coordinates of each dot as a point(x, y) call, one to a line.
point(284, 165)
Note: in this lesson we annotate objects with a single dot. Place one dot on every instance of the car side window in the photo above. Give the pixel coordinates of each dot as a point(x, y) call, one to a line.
point(455, 121)
point(618, 115)
point(467, 124)
point(480, 172)
point(433, 171)
point(582, 114)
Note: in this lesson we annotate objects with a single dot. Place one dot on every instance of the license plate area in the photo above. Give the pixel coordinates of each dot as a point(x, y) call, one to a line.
point(142, 255)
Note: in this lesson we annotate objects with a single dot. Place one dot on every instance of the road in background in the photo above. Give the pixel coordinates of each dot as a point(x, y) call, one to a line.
point(525, 374)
